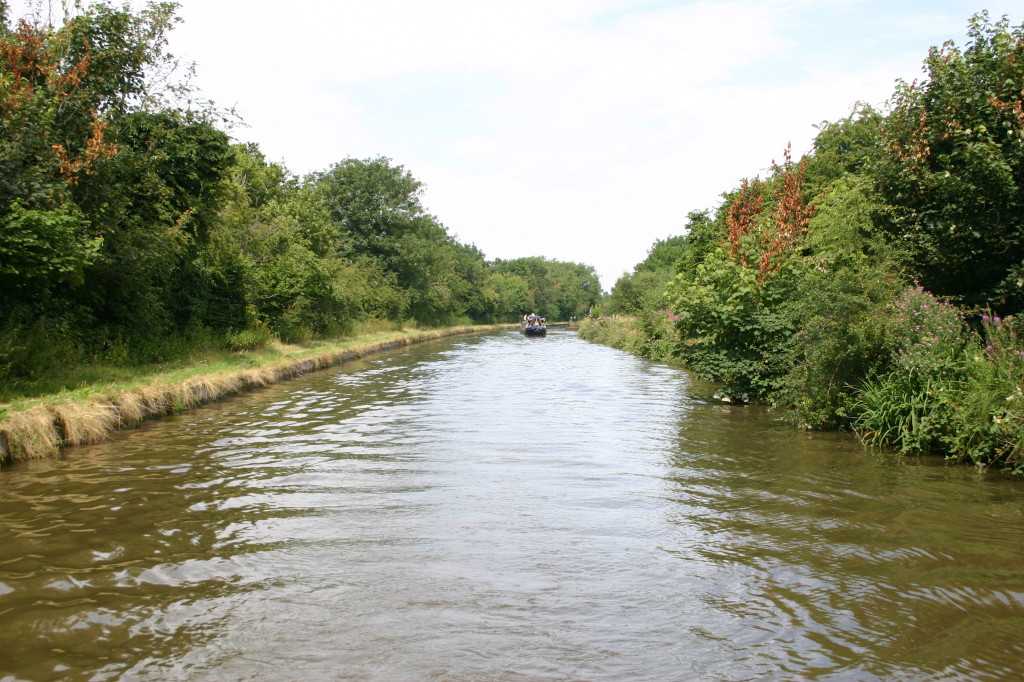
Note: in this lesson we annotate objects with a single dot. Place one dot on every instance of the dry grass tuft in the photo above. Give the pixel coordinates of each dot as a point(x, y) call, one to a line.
point(84, 422)
point(257, 377)
point(131, 407)
point(198, 390)
point(30, 434)
point(156, 400)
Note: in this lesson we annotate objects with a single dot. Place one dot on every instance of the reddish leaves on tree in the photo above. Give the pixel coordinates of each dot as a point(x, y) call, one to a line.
point(95, 149)
point(29, 62)
point(769, 241)
point(1016, 106)
point(38, 82)
point(791, 216)
point(742, 216)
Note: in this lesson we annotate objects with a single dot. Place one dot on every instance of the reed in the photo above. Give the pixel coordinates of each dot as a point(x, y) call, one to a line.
point(40, 429)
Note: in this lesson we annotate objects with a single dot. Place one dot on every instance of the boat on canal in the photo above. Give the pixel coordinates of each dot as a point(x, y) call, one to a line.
point(534, 326)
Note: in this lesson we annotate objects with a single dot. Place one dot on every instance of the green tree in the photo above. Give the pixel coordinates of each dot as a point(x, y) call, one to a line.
point(849, 146)
point(735, 307)
point(40, 247)
point(644, 288)
point(470, 275)
point(376, 213)
point(71, 98)
point(557, 289)
point(954, 168)
point(839, 305)
point(155, 205)
point(510, 295)
point(276, 236)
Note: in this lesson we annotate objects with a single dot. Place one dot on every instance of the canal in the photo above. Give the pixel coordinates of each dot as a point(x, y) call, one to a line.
point(498, 507)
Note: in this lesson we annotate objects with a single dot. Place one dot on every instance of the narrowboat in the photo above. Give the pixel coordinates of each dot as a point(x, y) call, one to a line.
point(534, 326)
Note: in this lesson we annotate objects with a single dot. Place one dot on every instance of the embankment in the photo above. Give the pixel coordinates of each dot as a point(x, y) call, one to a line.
point(43, 429)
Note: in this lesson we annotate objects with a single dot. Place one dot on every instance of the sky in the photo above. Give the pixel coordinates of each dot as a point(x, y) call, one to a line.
point(580, 130)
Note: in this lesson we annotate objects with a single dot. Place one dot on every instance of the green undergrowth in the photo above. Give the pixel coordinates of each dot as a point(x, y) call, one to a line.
point(649, 334)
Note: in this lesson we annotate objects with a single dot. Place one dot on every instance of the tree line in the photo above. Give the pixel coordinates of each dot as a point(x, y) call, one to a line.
point(876, 283)
point(134, 229)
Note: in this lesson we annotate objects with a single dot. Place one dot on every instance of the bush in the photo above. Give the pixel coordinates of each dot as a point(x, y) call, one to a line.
point(989, 413)
point(252, 338)
point(651, 334)
point(927, 336)
point(657, 338)
point(911, 407)
point(950, 390)
point(42, 347)
point(737, 328)
point(841, 341)
point(910, 412)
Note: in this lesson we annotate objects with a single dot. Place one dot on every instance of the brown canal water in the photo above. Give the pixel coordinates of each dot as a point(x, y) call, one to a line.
point(503, 508)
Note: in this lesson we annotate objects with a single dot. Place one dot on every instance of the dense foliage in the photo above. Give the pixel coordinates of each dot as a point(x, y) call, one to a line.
point(876, 283)
point(134, 229)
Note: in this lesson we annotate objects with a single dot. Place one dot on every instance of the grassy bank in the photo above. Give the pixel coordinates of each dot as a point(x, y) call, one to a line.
point(96, 401)
point(649, 334)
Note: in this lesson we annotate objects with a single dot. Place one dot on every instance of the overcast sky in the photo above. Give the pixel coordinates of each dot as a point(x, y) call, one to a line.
point(581, 130)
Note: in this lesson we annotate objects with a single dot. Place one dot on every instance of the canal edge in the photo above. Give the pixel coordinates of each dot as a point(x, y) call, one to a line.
point(44, 431)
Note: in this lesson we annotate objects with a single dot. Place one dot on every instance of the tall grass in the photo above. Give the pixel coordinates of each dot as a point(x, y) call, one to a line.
point(650, 334)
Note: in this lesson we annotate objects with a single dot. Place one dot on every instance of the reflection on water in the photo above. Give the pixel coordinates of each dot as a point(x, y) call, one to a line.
point(499, 507)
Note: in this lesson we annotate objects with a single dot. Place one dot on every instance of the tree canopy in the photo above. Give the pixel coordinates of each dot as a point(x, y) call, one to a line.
point(953, 168)
point(131, 227)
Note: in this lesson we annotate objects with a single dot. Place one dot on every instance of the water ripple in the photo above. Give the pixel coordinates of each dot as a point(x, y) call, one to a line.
point(499, 507)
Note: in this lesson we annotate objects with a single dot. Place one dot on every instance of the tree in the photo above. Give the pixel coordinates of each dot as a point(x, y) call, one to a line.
point(40, 247)
point(954, 168)
point(375, 213)
point(511, 296)
point(155, 206)
point(734, 307)
point(372, 204)
point(67, 94)
point(639, 291)
point(557, 289)
point(849, 146)
point(576, 287)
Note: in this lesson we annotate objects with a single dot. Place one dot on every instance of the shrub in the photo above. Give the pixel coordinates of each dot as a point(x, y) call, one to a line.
point(927, 336)
point(251, 338)
point(989, 413)
point(841, 340)
point(651, 334)
point(737, 328)
point(944, 390)
point(41, 347)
